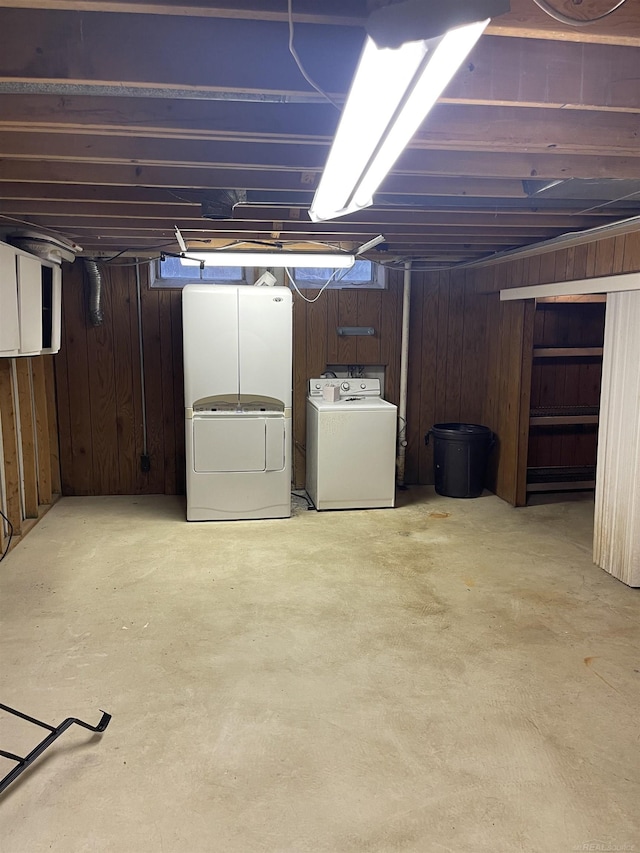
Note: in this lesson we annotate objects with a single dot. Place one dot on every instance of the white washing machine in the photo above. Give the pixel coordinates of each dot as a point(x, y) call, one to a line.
point(351, 445)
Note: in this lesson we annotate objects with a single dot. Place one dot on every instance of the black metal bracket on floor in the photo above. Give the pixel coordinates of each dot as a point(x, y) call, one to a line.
point(36, 752)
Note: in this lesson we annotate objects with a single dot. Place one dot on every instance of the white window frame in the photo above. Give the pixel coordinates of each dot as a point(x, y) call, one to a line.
point(156, 280)
point(378, 279)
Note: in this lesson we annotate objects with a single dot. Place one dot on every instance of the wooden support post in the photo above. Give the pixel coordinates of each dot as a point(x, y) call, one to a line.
point(10, 447)
point(52, 419)
point(27, 437)
point(42, 431)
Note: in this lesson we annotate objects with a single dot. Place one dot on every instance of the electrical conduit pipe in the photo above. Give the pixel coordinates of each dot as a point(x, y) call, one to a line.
point(404, 372)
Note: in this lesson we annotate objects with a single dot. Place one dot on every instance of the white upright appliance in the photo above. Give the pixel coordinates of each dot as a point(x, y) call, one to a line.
point(237, 383)
point(351, 445)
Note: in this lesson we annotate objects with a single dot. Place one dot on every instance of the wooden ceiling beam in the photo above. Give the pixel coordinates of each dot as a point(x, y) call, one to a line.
point(379, 217)
point(229, 230)
point(129, 53)
point(391, 221)
point(331, 13)
point(524, 19)
point(182, 199)
point(239, 134)
point(497, 130)
point(287, 230)
point(125, 174)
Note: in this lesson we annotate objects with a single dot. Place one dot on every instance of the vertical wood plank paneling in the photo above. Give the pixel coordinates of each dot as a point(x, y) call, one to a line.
point(168, 392)
point(427, 344)
point(369, 308)
point(580, 262)
point(42, 431)
point(178, 389)
point(462, 347)
point(121, 297)
point(605, 254)
point(631, 261)
point(27, 437)
point(135, 315)
point(475, 353)
point(52, 417)
point(618, 255)
point(391, 331)
point(317, 336)
point(592, 252)
point(444, 281)
point(62, 394)
point(102, 397)
point(10, 447)
point(154, 479)
point(455, 344)
point(415, 372)
point(347, 316)
point(333, 321)
point(81, 479)
point(525, 403)
point(511, 409)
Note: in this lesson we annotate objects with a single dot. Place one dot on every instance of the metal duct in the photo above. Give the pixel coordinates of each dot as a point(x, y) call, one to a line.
point(95, 291)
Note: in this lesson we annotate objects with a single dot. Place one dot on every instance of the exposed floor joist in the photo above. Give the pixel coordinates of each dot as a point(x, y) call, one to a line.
point(118, 118)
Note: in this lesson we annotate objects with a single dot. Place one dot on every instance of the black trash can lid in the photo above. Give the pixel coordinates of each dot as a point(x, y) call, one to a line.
point(460, 429)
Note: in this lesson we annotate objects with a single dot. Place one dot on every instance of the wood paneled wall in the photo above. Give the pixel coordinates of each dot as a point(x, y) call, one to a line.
point(100, 408)
point(447, 361)
point(514, 324)
point(98, 375)
point(316, 344)
point(30, 480)
point(470, 360)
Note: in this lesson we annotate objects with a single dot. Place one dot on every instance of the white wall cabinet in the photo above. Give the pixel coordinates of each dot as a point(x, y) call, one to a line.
point(30, 303)
point(9, 324)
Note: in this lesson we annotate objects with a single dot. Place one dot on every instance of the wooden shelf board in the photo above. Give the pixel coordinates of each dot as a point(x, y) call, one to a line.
point(572, 300)
point(559, 420)
point(561, 486)
point(566, 352)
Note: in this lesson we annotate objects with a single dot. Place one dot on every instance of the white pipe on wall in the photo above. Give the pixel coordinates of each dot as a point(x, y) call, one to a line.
point(404, 372)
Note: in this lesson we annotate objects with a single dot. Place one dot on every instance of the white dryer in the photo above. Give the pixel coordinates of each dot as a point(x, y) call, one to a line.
point(237, 384)
point(351, 445)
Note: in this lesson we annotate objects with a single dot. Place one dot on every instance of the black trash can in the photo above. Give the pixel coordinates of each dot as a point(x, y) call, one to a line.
point(460, 455)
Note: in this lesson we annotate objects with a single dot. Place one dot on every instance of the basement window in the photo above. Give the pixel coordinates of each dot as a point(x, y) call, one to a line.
point(361, 274)
point(170, 272)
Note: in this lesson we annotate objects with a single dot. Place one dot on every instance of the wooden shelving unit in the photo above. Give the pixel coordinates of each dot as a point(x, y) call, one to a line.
point(565, 395)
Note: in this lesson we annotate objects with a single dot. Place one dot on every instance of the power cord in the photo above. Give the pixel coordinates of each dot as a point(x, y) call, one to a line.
point(300, 493)
point(6, 550)
point(298, 62)
point(575, 22)
point(301, 295)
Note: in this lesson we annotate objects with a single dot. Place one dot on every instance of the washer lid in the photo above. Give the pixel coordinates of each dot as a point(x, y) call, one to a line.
point(352, 404)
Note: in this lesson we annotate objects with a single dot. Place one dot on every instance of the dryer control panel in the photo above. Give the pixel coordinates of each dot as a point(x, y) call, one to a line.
point(346, 387)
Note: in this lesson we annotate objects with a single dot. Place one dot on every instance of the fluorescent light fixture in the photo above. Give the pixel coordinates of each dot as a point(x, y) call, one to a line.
point(391, 94)
point(328, 260)
point(180, 239)
point(370, 244)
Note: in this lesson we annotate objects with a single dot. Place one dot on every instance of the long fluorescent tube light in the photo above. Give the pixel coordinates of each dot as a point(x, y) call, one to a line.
point(392, 92)
point(269, 259)
point(370, 244)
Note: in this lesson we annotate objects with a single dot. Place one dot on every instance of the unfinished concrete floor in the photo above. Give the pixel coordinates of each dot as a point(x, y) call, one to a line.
point(446, 676)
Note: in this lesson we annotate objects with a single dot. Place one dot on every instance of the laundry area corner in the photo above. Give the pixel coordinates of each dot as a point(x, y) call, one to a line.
point(446, 670)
